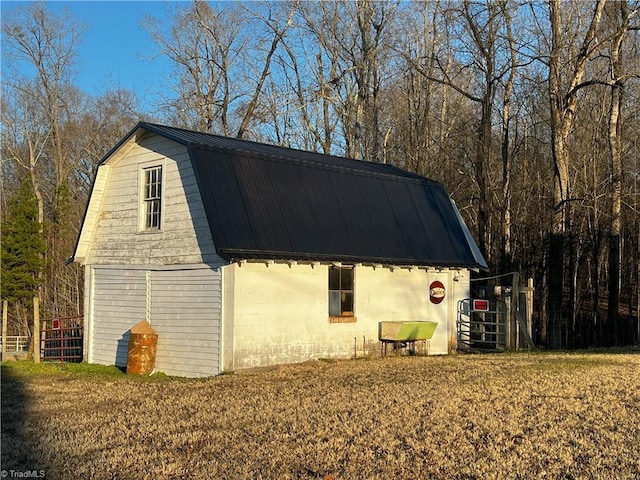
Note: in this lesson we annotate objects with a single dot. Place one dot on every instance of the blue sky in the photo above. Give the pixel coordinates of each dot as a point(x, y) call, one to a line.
point(115, 50)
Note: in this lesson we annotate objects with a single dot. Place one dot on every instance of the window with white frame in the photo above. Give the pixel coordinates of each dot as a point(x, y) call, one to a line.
point(151, 198)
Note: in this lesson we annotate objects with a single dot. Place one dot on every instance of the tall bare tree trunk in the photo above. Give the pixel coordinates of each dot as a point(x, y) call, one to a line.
point(505, 250)
point(615, 146)
point(616, 219)
point(563, 107)
point(278, 36)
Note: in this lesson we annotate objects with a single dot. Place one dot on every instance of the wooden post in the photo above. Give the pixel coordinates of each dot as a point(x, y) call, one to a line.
point(524, 313)
point(35, 339)
point(530, 306)
point(515, 307)
point(5, 314)
point(508, 303)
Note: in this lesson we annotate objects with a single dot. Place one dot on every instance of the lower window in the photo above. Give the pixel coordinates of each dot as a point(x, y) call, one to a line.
point(341, 282)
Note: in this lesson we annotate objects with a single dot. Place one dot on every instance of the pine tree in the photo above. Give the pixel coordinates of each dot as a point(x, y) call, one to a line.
point(23, 247)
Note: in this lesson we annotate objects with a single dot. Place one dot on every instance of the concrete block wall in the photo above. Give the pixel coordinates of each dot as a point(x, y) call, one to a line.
point(278, 313)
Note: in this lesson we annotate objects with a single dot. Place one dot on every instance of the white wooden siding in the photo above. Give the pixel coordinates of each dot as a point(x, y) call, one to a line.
point(185, 312)
point(93, 211)
point(182, 305)
point(278, 313)
point(119, 302)
point(185, 237)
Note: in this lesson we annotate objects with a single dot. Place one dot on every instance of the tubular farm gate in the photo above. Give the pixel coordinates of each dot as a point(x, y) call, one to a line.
point(61, 339)
point(482, 325)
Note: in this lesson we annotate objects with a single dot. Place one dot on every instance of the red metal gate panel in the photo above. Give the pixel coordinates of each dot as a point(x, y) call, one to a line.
point(61, 339)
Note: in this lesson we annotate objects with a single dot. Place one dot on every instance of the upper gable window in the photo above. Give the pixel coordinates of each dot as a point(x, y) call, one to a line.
point(151, 207)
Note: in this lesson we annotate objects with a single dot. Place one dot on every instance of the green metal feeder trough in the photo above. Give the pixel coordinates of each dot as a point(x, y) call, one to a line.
point(403, 333)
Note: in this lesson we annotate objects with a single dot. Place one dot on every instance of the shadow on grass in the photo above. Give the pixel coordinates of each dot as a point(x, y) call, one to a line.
point(20, 447)
point(629, 350)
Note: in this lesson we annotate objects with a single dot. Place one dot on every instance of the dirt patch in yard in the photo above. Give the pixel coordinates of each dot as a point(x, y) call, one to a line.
point(480, 416)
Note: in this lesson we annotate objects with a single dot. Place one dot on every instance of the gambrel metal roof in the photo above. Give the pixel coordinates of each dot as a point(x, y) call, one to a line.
point(269, 202)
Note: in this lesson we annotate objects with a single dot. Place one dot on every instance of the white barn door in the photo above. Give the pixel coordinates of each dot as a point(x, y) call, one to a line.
point(186, 313)
point(119, 302)
point(182, 305)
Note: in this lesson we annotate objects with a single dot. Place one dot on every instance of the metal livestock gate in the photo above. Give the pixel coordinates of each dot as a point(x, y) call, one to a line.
point(498, 318)
point(61, 339)
point(482, 325)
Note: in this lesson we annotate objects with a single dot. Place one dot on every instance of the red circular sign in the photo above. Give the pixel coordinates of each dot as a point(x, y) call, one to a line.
point(437, 292)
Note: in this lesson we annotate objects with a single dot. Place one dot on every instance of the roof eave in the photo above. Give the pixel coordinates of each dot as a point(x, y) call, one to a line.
point(233, 255)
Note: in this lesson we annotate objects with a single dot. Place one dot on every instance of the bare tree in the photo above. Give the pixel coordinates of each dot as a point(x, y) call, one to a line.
point(328, 93)
point(430, 123)
point(51, 132)
point(278, 32)
point(354, 40)
point(204, 46)
point(482, 53)
point(25, 136)
point(39, 110)
point(213, 50)
point(506, 154)
point(622, 14)
point(566, 79)
point(47, 43)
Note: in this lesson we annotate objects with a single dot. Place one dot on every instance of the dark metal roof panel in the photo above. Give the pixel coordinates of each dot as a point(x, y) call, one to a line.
point(282, 208)
point(451, 241)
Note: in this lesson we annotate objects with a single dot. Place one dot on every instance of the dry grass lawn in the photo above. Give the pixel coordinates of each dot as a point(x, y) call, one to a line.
point(518, 416)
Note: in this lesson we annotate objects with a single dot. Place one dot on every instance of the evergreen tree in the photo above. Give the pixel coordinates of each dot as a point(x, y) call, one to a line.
point(23, 247)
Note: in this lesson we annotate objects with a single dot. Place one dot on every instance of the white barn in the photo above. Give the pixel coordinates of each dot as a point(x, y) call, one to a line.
point(241, 254)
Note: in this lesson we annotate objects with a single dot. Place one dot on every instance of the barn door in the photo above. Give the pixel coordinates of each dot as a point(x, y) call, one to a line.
point(119, 302)
point(185, 310)
point(183, 306)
